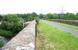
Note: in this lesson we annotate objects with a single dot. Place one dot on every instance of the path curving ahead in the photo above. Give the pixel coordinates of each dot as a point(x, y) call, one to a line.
point(64, 28)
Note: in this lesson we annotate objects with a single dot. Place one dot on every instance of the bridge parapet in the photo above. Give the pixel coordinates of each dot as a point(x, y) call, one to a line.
point(24, 40)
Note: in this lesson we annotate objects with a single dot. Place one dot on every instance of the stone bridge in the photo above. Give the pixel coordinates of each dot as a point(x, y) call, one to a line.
point(24, 40)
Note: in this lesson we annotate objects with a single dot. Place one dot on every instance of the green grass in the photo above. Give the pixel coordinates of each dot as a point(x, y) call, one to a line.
point(70, 26)
point(58, 39)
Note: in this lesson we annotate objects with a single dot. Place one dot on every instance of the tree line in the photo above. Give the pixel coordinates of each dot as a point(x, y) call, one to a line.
point(32, 16)
point(66, 16)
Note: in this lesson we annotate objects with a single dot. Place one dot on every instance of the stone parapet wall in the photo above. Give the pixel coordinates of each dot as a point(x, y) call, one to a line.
point(24, 40)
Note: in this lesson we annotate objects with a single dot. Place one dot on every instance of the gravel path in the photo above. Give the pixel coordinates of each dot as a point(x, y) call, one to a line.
point(58, 25)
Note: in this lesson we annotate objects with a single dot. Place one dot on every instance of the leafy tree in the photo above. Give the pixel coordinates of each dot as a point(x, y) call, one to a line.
point(41, 16)
point(55, 16)
point(70, 16)
point(49, 16)
point(34, 15)
point(77, 16)
point(12, 23)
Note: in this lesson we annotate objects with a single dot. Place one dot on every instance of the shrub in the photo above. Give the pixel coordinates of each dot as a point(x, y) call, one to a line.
point(1, 43)
point(5, 33)
point(12, 23)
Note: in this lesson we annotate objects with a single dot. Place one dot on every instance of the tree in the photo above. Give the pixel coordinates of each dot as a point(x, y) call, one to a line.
point(70, 16)
point(41, 16)
point(12, 23)
point(55, 16)
point(49, 16)
point(77, 16)
point(34, 15)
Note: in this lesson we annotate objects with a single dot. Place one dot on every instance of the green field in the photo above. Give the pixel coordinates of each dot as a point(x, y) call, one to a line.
point(55, 38)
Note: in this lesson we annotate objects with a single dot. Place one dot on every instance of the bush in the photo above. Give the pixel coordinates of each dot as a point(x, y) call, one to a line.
point(12, 23)
point(1, 43)
point(5, 33)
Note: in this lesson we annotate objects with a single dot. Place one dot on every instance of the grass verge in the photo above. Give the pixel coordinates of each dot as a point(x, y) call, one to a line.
point(56, 38)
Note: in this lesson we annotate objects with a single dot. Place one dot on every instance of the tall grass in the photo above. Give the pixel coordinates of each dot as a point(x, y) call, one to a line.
point(58, 39)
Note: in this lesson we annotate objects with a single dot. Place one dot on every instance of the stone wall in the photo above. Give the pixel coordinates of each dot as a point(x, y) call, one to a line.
point(24, 40)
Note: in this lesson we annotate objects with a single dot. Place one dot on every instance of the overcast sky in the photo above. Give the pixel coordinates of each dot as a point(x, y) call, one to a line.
point(38, 6)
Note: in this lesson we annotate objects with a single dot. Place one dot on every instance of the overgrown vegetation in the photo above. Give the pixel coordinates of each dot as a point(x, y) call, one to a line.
point(10, 25)
point(57, 39)
point(1, 43)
